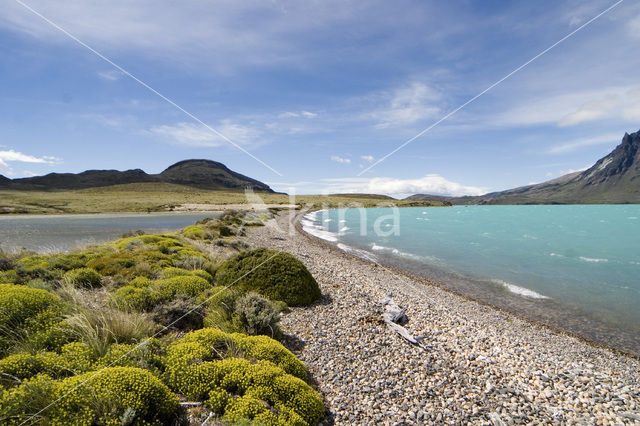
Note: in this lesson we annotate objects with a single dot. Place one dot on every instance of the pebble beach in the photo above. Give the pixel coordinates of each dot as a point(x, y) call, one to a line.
point(480, 366)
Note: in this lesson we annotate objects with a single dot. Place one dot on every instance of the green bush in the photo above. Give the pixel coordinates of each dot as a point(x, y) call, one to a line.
point(178, 272)
point(256, 315)
point(24, 366)
point(83, 277)
point(194, 232)
point(27, 314)
point(141, 298)
point(135, 298)
point(204, 366)
point(189, 285)
point(276, 275)
point(146, 355)
point(32, 397)
point(112, 394)
point(210, 344)
point(9, 277)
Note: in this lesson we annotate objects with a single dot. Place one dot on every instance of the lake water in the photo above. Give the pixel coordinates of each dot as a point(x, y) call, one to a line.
point(45, 234)
point(571, 267)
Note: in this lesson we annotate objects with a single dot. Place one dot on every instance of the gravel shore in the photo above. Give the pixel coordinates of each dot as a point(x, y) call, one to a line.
point(484, 366)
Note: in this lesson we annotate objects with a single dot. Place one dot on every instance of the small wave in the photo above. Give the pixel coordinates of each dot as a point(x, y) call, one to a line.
point(342, 221)
point(377, 247)
point(360, 253)
point(344, 228)
point(317, 231)
point(520, 291)
point(529, 237)
point(632, 217)
point(424, 212)
point(327, 220)
point(557, 255)
point(592, 259)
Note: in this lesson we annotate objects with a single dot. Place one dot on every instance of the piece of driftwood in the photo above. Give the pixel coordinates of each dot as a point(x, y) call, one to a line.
point(395, 317)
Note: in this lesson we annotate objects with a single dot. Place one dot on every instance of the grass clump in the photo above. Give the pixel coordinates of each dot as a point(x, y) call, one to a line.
point(276, 275)
point(101, 328)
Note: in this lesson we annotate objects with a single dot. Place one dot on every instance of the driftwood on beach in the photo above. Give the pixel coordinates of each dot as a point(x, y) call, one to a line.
point(395, 317)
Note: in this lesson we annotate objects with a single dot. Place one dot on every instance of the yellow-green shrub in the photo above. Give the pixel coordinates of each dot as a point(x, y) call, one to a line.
point(146, 355)
point(210, 344)
point(33, 396)
point(27, 314)
point(105, 396)
point(83, 277)
point(276, 275)
point(177, 272)
point(24, 366)
point(189, 285)
point(194, 232)
point(9, 277)
point(236, 388)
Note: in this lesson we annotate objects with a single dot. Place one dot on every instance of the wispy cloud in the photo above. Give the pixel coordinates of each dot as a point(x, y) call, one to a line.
point(429, 184)
point(341, 160)
point(15, 156)
point(198, 135)
point(584, 142)
point(406, 105)
point(110, 75)
point(368, 158)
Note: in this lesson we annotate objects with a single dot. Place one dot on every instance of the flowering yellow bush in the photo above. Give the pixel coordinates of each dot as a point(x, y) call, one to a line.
point(27, 314)
point(242, 378)
point(110, 394)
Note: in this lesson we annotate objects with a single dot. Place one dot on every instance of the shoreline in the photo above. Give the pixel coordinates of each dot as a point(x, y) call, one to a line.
point(397, 267)
point(485, 362)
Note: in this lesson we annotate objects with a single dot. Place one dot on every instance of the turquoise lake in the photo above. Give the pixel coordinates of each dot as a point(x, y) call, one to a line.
point(571, 267)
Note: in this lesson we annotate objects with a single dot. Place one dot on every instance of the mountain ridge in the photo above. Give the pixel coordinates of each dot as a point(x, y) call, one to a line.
point(613, 179)
point(199, 173)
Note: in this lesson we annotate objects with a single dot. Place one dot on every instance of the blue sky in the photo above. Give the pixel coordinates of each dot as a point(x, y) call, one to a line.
point(320, 90)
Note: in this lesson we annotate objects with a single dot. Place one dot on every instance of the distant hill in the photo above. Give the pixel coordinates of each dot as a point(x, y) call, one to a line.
point(205, 174)
point(614, 179)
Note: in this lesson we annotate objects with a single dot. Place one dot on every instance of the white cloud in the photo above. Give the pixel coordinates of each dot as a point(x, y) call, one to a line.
point(429, 184)
point(110, 75)
point(592, 110)
point(407, 105)
point(194, 134)
point(15, 156)
point(583, 142)
point(368, 158)
point(573, 108)
point(634, 27)
point(569, 171)
point(305, 114)
point(341, 160)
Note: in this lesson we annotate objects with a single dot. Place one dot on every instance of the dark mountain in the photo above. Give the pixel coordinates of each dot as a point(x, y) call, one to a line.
point(205, 174)
point(614, 179)
point(210, 175)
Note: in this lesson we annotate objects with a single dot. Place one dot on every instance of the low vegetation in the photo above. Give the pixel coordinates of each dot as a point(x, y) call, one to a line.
point(155, 197)
point(122, 333)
